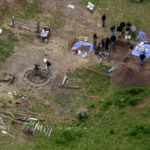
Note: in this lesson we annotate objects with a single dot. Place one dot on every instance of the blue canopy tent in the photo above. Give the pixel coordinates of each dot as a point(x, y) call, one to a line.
point(81, 43)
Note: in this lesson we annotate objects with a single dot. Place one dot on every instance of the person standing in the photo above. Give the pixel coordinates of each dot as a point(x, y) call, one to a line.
point(101, 57)
point(128, 27)
point(107, 41)
point(112, 31)
point(119, 29)
point(94, 40)
point(48, 64)
point(133, 32)
point(142, 57)
point(36, 67)
point(103, 20)
point(113, 38)
point(102, 45)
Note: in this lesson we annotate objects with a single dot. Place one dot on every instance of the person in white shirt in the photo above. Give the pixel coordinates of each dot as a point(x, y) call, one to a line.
point(133, 32)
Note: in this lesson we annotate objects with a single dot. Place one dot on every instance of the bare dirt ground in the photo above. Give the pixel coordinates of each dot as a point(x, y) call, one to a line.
point(78, 23)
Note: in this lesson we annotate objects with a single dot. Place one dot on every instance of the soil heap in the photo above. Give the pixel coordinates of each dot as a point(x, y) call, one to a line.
point(125, 76)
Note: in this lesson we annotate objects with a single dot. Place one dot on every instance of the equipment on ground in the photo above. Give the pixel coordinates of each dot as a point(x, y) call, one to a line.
point(45, 34)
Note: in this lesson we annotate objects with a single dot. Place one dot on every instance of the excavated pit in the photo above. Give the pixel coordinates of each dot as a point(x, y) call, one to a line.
point(37, 78)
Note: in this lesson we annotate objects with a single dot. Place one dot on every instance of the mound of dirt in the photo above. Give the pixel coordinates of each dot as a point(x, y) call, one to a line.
point(125, 76)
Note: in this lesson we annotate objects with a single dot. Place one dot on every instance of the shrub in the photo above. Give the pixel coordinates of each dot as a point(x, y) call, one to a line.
point(13, 122)
point(125, 96)
point(68, 135)
point(28, 127)
point(5, 105)
point(140, 130)
point(82, 115)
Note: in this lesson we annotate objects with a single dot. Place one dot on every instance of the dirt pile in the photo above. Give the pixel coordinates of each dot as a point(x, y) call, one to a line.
point(125, 76)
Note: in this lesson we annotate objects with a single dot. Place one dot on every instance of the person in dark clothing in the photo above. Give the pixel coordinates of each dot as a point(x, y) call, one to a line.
point(142, 57)
point(113, 38)
point(48, 63)
point(94, 40)
point(112, 30)
point(102, 45)
point(122, 24)
point(127, 30)
point(119, 29)
point(107, 41)
point(103, 20)
point(129, 24)
point(36, 67)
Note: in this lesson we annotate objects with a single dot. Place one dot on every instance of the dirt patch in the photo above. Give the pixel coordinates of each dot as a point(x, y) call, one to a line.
point(129, 73)
point(84, 48)
point(93, 27)
point(122, 50)
point(125, 76)
point(71, 43)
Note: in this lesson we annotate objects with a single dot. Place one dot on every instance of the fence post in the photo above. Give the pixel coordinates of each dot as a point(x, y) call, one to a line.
point(13, 22)
point(38, 27)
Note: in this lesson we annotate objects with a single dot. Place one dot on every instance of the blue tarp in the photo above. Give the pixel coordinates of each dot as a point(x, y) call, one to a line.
point(142, 37)
point(136, 51)
point(81, 43)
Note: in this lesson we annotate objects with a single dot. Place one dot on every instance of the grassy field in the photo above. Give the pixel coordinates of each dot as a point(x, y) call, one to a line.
point(118, 120)
point(7, 42)
point(124, 10)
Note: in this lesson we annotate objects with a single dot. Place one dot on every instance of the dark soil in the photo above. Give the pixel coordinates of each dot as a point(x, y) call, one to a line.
point(84, 48)
point(125, 76)
point(129, 73)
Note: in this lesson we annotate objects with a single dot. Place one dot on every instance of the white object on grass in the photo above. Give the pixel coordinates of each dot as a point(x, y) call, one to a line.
point(4, 132)
point(90, 6)
point(79, 52)
point(71, 6)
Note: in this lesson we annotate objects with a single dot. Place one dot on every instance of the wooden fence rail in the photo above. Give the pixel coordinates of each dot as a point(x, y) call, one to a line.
point(26, 25)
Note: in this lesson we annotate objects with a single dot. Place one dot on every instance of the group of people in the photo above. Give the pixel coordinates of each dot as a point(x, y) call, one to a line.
point(108, 43)
point(47, 63)
point(121, 28)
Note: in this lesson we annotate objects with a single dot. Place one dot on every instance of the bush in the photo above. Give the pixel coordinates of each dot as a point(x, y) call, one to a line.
point(5, 105)
point(82, 115)
point(129, 96)
point(91, 106)
point(68, 135)
point(140, 130)
point(13, 122)
point(28, 127)
point(104, 106)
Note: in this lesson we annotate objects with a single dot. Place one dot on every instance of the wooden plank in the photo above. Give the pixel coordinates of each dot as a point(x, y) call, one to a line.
point(69, 87)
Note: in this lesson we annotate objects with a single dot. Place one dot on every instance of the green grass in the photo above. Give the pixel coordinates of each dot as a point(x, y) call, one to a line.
point(7, 42)
point(123, 10)
point(30, 11)
point(119, 123)
point(90, 82)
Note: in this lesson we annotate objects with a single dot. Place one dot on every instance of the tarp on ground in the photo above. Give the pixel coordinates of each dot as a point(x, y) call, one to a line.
point(137, 51)
point(81, 43)
point(144, 35)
